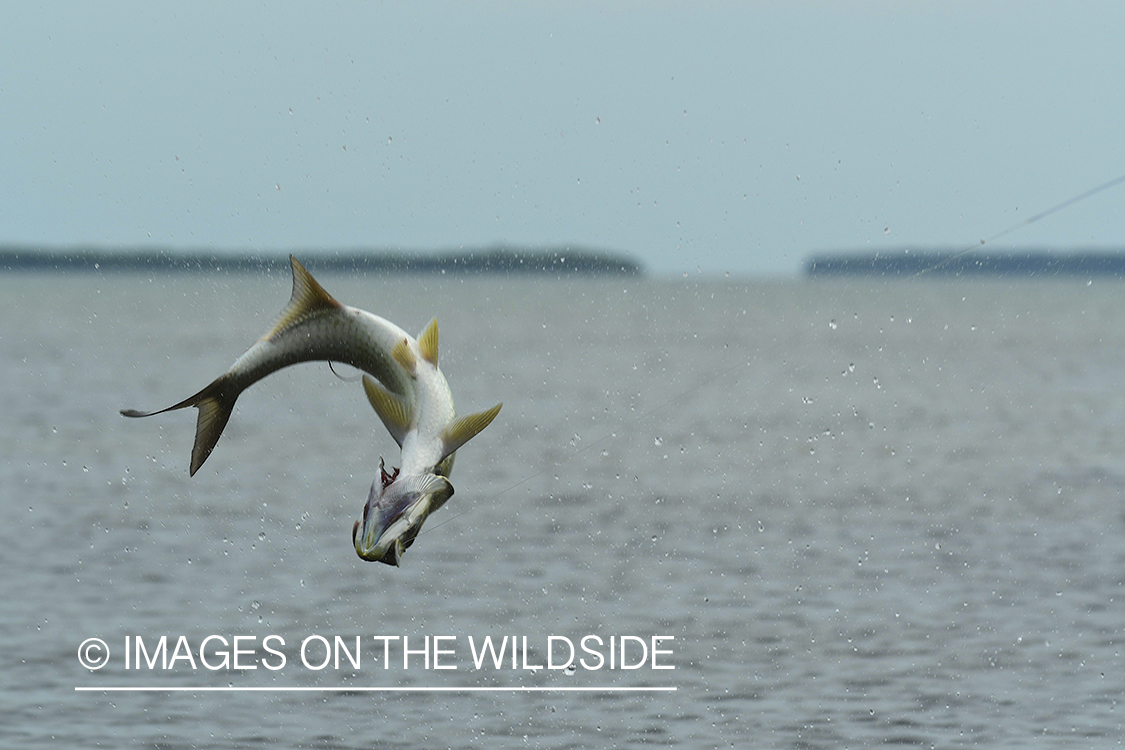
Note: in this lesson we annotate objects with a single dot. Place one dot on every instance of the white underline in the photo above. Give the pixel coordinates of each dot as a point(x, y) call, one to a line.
point(365, 689)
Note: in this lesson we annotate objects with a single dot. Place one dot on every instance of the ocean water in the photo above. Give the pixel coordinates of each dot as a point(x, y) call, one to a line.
point(849, 512)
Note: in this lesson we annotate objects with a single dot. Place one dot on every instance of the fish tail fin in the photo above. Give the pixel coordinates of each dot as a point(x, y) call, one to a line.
point(216, 401)
point(464, 429)
point(215, 404)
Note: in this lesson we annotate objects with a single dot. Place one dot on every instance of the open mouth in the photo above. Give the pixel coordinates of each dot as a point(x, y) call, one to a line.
point(394, 513)
point(392, 533)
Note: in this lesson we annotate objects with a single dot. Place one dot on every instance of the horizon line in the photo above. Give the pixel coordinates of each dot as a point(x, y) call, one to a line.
point(560, 259)
point(370, 689)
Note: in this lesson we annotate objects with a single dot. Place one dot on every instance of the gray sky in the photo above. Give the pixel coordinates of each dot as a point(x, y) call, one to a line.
point(703, 137)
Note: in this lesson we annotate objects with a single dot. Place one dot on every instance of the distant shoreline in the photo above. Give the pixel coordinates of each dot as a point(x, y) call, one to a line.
point(1027, 263)
point(491, 260)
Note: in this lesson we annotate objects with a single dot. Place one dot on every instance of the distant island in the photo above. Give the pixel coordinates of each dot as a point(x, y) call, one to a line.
point(908, 262)
point(496, 260)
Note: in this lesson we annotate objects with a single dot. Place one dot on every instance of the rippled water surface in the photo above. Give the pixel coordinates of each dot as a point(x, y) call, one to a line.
point(858, 512)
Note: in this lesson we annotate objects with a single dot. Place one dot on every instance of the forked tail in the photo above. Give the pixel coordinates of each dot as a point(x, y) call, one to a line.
point(215, 404)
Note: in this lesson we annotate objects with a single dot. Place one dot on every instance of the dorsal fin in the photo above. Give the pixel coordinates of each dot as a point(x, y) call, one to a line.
point(308, 298)
point(405, 357)
point(395, 411)
point(428, 343)
point(464, 429)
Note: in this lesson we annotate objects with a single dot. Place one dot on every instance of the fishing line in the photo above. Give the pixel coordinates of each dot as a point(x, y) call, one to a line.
point(623, 426)
point(1030, 220)
point(723, 373)
point(355, 379)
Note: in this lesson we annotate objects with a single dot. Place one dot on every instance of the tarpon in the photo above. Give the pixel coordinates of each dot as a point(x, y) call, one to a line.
point(402, 382)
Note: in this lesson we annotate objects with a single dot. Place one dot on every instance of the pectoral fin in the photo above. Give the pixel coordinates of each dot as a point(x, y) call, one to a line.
point(395, 411)
point(464, 429)
point(215, 404)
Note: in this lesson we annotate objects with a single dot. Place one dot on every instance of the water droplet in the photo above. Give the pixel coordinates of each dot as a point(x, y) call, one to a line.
point(571, 668)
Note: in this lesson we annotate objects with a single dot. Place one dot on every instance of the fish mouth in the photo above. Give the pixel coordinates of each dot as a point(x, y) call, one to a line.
point(391, 541)
point(394, 514)
point(390, 556)
point(394, 553)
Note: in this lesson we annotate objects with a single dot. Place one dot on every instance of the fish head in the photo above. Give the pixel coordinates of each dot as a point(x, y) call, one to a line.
point(396, 508)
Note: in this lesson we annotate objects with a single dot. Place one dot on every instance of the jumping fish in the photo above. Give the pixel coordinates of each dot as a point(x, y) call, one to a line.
point(402, 382)
point(426, 429)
